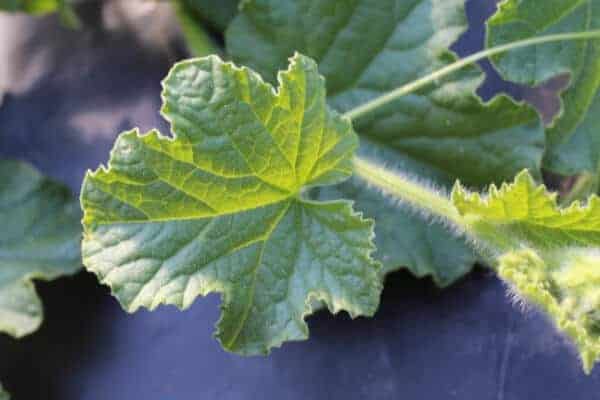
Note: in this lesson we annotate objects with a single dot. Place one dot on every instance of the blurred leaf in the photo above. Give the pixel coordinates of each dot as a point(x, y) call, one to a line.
point(198, 41)
point(217, 13)
point(42, 7)
point(3, 395)
point(573, 141)
point(40, 239)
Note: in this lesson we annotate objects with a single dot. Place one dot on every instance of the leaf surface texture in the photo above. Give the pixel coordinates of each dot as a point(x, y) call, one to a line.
point(219, 207)
point(442, 132)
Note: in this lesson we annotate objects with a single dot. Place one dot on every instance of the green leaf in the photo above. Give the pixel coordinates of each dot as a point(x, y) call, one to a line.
point(580, 151)
point(523, 19)
point(42, 7)
point(36, 7)
point(572, 148)
point(40, 240)
point(198, 41)
point(442, 128)
point(428, 249)
point(550, 255)
point(3, 395)
point(220, 207)
point(216, 13)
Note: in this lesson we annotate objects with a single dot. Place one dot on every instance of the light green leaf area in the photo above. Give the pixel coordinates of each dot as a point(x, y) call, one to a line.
point(549, 255)
point(444, 127)
point(42, 7)
point(220, 207)
point(571, 146)
point(37, 7)
point(40, 239)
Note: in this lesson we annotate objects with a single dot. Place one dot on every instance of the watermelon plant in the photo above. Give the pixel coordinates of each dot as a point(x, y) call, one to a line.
point(239, 200)
point(328, 144)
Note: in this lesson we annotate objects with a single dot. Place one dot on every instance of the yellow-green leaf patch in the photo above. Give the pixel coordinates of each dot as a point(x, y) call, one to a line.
point(548, 254)
point(220, 206)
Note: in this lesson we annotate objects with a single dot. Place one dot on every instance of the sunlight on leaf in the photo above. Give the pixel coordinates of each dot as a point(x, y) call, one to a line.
point(549, 255)
point(220, 207)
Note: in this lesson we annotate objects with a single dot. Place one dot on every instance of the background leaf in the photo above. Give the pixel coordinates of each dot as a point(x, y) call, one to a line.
point(40, 239)
point(37, 7)
point(217, 14)
point(197, 39)
point(219, 208)
point(572, 143)
point(443, 128)
point(3, 395)
point(42, 7)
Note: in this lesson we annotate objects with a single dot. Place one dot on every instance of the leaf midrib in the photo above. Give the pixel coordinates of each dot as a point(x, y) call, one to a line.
point(250, 302)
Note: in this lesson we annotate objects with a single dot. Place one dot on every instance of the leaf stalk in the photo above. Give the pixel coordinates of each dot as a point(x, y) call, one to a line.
point(415, 85)
point(404, 189)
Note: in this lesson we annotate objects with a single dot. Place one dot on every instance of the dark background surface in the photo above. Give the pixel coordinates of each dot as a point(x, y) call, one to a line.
point(68, 94)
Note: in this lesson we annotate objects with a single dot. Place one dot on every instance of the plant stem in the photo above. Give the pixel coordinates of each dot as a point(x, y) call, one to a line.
point(382, 100)
point(403, 188)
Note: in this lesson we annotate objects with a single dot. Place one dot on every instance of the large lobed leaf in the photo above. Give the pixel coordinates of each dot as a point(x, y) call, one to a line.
point(439, 133)
point(39, 239)
point(573, 144)
point(550, 255)
point(220, 207)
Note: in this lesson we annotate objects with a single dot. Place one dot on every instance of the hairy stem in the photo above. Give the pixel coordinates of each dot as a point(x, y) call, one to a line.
point(406, 190)
point(382, 100)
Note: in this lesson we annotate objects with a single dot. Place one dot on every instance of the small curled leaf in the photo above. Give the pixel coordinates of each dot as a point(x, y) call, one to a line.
point(548, 254)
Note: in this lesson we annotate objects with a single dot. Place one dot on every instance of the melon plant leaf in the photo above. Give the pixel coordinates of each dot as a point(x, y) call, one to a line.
point(427, 248)
point(442, 128)
point(198, 41)
point(3, 394)
point(44, 7)
point(220, 206)
point(549, 255)
point(573, 144)
point(216, 13)
point(40, 239)
point(36, 7)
